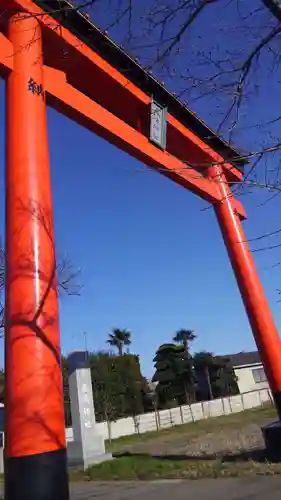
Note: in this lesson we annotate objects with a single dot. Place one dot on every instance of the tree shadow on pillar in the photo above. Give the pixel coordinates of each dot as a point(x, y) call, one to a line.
point(32, 323)
point(67, 277)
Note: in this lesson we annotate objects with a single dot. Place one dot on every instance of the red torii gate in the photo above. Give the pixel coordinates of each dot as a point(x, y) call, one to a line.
point(62, 60)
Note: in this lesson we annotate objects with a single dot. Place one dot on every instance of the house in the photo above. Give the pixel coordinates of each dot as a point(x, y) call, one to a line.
point(249, 371)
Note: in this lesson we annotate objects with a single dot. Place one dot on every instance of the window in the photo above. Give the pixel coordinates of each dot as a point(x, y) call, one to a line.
point(259, 375)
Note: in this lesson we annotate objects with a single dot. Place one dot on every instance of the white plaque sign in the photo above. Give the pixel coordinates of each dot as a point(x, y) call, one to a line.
point(158, 124)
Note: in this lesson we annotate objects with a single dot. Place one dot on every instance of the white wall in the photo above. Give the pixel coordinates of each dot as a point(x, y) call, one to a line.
point(180, 415)
point(245, 378)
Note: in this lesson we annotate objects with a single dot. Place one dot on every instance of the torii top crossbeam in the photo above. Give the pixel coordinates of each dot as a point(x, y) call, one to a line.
point(94, 82)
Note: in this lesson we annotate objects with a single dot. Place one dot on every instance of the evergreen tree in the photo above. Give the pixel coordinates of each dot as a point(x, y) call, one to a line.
point(174, 373)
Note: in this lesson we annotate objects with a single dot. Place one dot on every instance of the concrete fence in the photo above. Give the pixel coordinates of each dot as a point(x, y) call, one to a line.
point(180, 415)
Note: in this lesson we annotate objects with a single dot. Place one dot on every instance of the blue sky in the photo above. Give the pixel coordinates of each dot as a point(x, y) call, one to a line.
point(152, 255)
point(152, 260)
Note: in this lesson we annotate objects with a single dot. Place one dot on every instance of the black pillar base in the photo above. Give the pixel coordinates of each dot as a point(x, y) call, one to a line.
point(277, 401)
point(272, 439)
point(37, 477)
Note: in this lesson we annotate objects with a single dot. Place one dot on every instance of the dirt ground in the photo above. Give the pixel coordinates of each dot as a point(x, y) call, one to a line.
point(232, 435)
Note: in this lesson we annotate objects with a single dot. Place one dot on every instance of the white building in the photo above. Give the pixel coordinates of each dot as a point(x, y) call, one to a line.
point(249, 371)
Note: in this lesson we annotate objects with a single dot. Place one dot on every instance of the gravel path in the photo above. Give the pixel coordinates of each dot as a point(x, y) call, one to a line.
point(218, 489)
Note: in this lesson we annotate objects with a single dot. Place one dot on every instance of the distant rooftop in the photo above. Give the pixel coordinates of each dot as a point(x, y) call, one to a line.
point(243, 358)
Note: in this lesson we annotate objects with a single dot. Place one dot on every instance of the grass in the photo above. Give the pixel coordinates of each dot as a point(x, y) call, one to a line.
point(230, 446)
point(145, 467)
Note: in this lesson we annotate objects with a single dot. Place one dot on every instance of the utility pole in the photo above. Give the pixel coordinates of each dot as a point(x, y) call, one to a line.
point(86, 344)
point(275, 7)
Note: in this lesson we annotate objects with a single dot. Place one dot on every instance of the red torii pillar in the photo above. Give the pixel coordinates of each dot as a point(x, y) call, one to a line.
point(255, 302)
point(35, 447)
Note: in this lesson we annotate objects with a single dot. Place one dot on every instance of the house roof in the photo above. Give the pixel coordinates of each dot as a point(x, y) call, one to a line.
point(81, 25)
point(243, 358)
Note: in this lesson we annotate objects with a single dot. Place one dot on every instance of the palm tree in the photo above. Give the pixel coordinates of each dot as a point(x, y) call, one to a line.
point(184, 337)
point(118, 338)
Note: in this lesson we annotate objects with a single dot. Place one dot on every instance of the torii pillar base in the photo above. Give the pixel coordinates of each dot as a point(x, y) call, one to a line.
point(272, 438)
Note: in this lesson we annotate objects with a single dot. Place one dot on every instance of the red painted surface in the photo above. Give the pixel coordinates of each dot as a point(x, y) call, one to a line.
point(96, 78)
point(34, 396)
point(68, 100)
point(85, 87)
point(260, 316)
point(91, 115)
